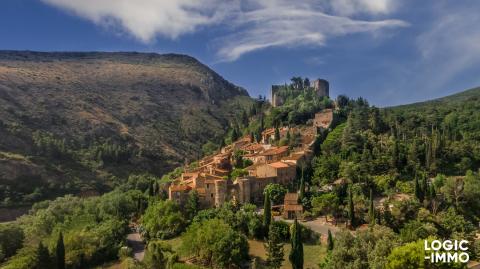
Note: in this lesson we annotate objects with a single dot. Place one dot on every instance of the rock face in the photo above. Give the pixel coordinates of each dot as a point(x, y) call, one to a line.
point(155, 109)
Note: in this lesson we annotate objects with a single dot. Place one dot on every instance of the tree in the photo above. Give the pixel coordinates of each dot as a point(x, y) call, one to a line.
point(267, 213)
point(330, 241)
point(60, 251)
point(155, 256)
point(277, 134)
point(326, 204)
point(274, 247)
point(192, 205)
point(301, 193)
point(215, 243)
point(43, 257)
point(418, 190)
point(371, 209)
point(276, 192)
point(296, 253)
point(11, 239)
point(351, 208)
point(409, 256)
point(162, 220)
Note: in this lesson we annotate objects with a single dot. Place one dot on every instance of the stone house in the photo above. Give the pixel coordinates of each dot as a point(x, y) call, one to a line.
point(291, 207)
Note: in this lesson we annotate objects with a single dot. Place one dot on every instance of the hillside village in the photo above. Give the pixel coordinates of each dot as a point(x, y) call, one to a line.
point(268, 164)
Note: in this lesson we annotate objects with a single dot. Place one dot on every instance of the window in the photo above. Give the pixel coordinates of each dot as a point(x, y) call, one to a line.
point(211, 195)
point(208, 185)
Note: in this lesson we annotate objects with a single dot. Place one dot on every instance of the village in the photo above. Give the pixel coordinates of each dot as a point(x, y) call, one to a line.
point(268, 164)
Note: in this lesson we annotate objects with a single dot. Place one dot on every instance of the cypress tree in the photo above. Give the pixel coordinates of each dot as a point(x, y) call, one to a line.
point(351, 208)
point(302, 188)
point(418, 191)
point(296, 253)
point(277, 134)
point(371, 209)
point(425, 190)
point(267, 213)
point(60, 251)
point(252, 137)
point(43, 257)
point(274, 248)
point(433, 194)
point(329, 240)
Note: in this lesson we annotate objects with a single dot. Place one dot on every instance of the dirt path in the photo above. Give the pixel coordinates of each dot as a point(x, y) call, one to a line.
point(134, 240)
point(317, 225)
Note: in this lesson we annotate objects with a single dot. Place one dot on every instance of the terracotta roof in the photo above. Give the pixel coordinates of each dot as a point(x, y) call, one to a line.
point(293, 208)
point(275, 151)
point(292, 196)
point(279, 165)
point(268, 131)
point(253, 147)
point(180, 188)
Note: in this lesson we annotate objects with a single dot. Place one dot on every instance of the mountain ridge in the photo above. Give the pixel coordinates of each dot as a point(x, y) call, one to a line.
point(107, 114)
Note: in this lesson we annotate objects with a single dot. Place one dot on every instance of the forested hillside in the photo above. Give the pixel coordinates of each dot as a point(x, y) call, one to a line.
point(383, 179)
point(82, 122)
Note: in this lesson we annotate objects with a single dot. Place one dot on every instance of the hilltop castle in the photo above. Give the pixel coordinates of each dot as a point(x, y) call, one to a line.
point(320, 86)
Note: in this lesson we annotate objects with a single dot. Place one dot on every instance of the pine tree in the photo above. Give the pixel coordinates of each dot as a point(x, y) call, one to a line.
point(274, 248)
point(252, 137)
point(267, 213)
point(43, 257)
point(330, 241)
point(60, 251)
point(296, 253)
point(351, 208)
point(371, 209)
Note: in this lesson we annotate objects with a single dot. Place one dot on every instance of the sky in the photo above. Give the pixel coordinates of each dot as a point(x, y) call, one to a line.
point(390, 52)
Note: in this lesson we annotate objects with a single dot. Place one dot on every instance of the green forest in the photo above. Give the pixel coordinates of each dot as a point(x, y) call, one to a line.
point(421, 160)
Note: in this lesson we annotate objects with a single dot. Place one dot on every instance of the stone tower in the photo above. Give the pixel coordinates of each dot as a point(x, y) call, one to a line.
point(244, 190)
point(220, 192)
point(321, 87)
point(275, 99)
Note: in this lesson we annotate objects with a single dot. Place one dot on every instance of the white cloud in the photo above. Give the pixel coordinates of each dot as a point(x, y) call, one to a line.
point(451, 45)
point(251, 25)
point(147, 18)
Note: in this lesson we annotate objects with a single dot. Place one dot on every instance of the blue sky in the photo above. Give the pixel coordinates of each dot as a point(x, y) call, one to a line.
point(391, 52)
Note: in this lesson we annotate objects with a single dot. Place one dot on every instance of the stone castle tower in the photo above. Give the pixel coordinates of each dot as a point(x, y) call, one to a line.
point(321, 87)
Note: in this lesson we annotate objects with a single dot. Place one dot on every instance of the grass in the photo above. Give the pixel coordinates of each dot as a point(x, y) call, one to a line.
point(313, 254)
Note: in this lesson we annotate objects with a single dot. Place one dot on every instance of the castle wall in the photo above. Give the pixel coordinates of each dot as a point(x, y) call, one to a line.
point(220, 192)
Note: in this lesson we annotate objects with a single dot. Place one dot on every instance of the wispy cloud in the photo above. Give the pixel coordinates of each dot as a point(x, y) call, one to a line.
point(252, 25)
point(451, 44)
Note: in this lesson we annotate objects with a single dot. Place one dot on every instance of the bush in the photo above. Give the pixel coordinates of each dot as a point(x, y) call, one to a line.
point(216, 243)
point(163, 220)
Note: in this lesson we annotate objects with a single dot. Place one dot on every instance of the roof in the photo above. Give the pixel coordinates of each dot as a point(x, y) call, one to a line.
point(180, 188)
point(292, 196)
point(279, 165)
point(268, 131)
point(293, 208)
point(275, 151)
point(253, 147)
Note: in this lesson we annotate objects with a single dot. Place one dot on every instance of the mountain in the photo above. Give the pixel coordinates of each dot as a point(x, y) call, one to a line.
point(75, 121)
